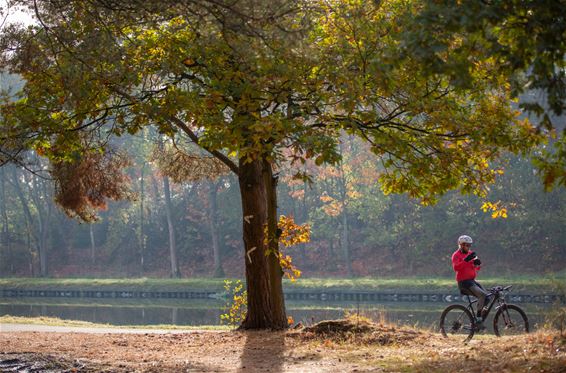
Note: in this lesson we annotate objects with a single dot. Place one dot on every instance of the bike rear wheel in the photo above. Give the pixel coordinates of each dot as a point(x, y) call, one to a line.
point(510, 320)
point(457, 323)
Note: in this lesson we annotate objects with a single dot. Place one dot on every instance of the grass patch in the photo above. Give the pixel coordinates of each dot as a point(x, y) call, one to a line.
point(54, 321)
point(425, 284)
point(126, 284)
point(521, 283)
point(199, 304)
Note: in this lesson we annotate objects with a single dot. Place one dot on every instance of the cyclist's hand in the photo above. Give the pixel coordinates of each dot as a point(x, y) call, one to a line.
point(470, 256)
point(477, 261)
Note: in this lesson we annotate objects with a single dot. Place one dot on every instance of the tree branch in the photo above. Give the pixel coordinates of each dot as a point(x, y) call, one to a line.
point(219, 155)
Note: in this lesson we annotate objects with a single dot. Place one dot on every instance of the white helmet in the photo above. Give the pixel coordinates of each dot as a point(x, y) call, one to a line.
point(465, 239)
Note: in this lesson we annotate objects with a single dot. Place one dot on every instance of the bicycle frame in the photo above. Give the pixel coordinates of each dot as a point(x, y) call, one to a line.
point(497, 298)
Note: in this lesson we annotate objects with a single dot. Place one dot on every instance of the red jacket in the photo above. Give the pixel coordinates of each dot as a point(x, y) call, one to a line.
point(464, 270)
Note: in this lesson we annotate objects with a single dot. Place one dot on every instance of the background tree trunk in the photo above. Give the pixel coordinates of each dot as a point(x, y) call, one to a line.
point(345, 241)
point(142, 222)
point(5, 252)
point(92, 243)
point(42, 200)
point(175, 273)
point(67, 230)
point(28, 218)
point(213, 221)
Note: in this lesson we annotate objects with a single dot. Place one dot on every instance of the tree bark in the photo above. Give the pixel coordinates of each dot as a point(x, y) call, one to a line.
point(175, 273)
point(213, 221)
point(275, 271)
point(260, 313)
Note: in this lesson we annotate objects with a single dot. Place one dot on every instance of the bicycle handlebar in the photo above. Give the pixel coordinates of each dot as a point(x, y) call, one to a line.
point(498, 289)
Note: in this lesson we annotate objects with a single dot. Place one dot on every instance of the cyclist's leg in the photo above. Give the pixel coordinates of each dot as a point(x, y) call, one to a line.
point(481, 294)
point(487, 298)
point(464, 286)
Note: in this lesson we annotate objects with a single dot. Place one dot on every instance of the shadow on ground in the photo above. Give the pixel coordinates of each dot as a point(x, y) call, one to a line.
point(263, 352)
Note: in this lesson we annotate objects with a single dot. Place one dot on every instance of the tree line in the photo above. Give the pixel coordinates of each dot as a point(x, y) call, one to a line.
point(191, 229)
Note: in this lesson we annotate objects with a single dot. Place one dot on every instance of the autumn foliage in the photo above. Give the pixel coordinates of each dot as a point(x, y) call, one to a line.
point(84, 185)
point(291, 234)
point(236, 306)
point(181, 166)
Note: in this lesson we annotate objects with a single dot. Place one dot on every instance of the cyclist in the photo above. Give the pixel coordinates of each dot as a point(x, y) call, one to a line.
point(466, 264)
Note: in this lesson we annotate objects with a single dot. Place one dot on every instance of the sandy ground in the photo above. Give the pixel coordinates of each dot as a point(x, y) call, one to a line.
point(85, 350)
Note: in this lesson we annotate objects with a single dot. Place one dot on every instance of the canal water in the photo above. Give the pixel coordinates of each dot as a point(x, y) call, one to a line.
point(207, 312)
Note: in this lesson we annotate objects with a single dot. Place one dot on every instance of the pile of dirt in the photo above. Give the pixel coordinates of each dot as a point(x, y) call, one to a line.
point(361, 331)
point(341, 327)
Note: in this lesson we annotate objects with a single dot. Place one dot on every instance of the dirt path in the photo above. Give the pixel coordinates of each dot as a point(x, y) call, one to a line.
point(10, 328)
point(213, 351)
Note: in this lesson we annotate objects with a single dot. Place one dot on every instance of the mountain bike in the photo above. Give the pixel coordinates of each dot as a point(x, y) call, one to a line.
point(459, 322)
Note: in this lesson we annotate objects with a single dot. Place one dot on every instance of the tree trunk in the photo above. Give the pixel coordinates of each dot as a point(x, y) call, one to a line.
point(67, 231)
point(42, 201)
point(346, 242)
point(302, 247)
point(5, 252)
point(261, 311)
point(42, 247)
point(142, 222)
point(175, 273)
point(154, 194)
point(174, 315)
point(331, 255)
point(29, 218)
point(92, 244)
point(275, 271)
point(213, 220)
point(46, 233)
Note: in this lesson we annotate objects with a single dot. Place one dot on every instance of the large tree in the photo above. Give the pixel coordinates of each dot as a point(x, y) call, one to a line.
point(252, 83)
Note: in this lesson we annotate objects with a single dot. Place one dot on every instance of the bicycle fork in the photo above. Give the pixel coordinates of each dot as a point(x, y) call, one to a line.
point(506, 317)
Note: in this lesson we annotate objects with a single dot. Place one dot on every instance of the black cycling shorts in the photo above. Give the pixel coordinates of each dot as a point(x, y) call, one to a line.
point(466, 284)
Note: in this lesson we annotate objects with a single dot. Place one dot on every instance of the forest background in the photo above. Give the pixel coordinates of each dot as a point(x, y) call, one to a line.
point(356, 229)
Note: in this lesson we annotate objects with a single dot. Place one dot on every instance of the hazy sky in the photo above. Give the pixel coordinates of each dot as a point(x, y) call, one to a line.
point(13, 15)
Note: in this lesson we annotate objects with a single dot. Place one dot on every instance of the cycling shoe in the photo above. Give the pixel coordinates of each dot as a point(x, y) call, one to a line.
point(479, 326)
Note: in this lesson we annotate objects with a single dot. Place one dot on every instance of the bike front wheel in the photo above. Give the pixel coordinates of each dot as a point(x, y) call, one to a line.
point(457, 323)
point(510, 320)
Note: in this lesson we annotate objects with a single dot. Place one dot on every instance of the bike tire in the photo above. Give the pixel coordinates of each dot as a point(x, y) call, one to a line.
point(510, 320)
point(457, 323)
